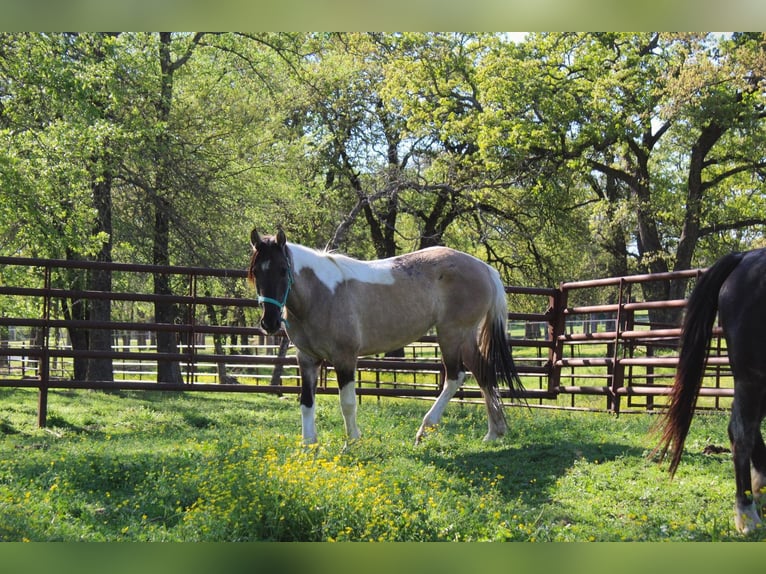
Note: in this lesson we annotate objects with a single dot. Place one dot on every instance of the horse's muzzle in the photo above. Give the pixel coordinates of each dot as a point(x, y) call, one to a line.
point(270, 325)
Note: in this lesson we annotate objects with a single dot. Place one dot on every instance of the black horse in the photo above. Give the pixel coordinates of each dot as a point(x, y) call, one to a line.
point(735, 288)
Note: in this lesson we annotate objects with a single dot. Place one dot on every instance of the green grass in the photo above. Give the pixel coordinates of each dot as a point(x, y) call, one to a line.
point(211, 467)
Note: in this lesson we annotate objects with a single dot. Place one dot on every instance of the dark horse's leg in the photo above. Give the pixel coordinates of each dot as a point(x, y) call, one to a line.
point(746, 445)
point(309, 367)
point(758, 470)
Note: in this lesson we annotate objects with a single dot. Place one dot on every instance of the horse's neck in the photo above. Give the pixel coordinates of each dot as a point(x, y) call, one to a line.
point(300, 294)
point(325, 269)
point(331, 270)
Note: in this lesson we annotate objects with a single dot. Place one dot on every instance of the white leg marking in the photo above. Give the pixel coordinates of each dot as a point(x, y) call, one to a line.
point(308, 424)
point(758, 482)
point(348, 408)
point(746, 519)
point(495, 416)
point(434, 415)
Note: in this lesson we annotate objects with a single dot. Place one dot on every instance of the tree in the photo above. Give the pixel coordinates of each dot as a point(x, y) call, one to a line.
point(165, 312)
point(602, 105)
point(59, 112)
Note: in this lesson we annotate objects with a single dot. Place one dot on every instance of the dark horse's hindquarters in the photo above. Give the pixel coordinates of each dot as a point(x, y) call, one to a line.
point(735, 288)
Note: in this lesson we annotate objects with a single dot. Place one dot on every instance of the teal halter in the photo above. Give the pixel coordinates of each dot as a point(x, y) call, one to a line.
point(280, 304)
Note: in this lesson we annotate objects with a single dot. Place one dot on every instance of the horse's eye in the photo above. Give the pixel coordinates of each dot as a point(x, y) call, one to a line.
point(283, 271)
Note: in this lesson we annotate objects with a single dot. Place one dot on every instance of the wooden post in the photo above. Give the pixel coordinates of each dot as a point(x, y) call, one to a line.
point(556, 324)
point(42, 406)
point(44, 366)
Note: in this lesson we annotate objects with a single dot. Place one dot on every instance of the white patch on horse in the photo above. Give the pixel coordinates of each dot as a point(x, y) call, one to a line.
point(265, 265)
point(348, 408)
point(333, 269)
point(746, 519)
point(308, 424)
point(434, 415)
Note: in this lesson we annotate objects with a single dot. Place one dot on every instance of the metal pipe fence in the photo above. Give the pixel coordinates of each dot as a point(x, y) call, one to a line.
point(567, 354)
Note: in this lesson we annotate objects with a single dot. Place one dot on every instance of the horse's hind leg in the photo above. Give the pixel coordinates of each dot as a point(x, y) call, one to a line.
point(496, 424)
point(758, 469)
point(458, 353)
point(744, 435)
point(450, 344)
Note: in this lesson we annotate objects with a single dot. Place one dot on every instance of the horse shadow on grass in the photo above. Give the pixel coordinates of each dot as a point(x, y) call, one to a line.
point(528, 471)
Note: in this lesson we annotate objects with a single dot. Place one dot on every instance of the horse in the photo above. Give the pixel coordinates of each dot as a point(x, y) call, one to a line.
point(336, 309)
point(734, 287)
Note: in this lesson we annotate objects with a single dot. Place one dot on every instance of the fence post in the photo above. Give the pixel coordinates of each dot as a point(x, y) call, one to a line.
point(42, 406)
point(556, 324)
point(44, 366)
point(623, 322)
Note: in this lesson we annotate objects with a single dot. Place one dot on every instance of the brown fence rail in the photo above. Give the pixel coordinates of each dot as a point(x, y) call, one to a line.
point(635, 356)
point(576, 349)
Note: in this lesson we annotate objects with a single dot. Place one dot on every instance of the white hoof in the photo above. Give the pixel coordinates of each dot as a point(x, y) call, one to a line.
point(746, 519)
point(423, 431)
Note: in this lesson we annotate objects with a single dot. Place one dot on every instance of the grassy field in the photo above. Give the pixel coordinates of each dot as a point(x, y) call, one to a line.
point(218, 467)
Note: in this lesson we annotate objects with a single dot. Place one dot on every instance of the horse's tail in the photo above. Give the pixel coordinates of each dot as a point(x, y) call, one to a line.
point(496, 361)
point(697, 330)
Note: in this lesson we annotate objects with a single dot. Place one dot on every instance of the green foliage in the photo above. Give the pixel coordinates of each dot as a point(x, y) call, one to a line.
point(215, 467)
point(565, 156)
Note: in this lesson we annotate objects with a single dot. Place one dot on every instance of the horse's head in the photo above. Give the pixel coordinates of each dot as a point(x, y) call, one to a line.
point(271, 273)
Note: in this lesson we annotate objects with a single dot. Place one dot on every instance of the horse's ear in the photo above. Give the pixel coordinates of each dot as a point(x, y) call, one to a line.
point(255, 239)
point(281, 238)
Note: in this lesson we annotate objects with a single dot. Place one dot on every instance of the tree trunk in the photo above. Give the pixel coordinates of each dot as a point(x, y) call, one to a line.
point(100, 310)
point(690, 232)
point(218, 345)
point(168, 371)
point(614, 242)
point(650, 249)
point(101, 369)
point(76, 310)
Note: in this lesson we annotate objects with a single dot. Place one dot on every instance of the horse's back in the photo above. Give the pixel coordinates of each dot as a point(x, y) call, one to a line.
point(368, 307)
point(459, 282)
point(742, 312)
point(433, 287)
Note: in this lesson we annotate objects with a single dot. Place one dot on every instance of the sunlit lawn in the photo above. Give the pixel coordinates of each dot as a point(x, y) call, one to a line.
point(153, 466)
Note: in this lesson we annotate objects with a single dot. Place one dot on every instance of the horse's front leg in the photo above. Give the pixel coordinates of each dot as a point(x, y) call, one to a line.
point(347, 384)
point(309, 367)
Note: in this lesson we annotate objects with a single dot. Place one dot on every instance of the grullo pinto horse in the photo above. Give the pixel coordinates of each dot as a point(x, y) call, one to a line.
point(735, 288)
point(335, 308)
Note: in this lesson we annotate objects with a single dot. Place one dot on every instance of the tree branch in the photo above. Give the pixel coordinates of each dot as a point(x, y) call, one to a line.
point(741, 224)
point(178, 62)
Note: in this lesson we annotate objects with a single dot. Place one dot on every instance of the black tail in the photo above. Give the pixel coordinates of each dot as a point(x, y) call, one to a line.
point(696, 333)
point(496, 362)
